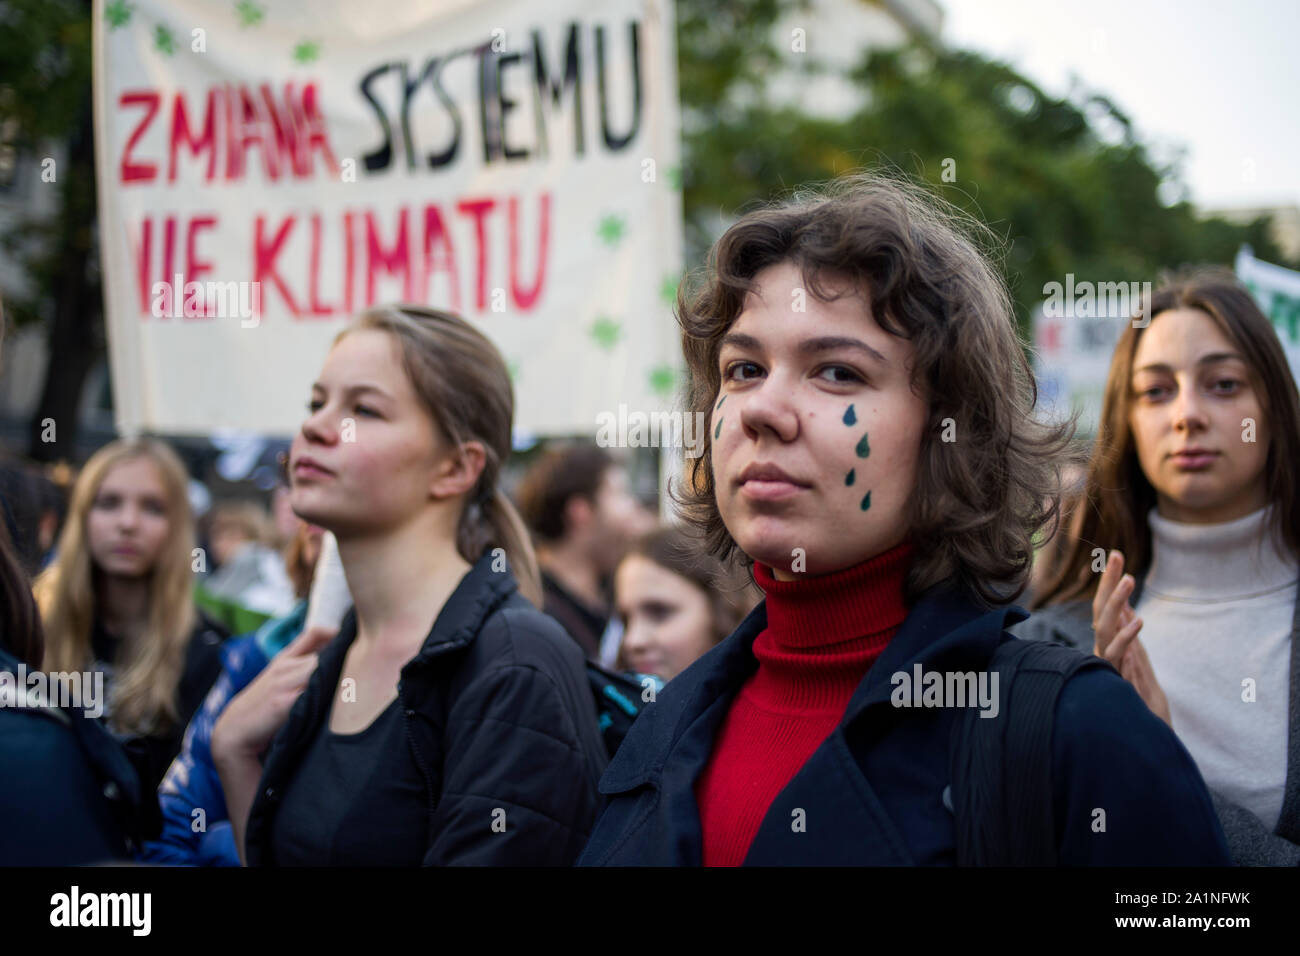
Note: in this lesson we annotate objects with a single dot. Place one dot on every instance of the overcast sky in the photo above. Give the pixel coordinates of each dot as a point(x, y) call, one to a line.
point(1218, 77)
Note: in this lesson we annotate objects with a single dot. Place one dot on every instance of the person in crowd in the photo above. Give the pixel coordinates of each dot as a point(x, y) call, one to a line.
point(676, 602)
point(118, 599)
point(249, 572)
point(191, 793)
point(68, 795)
point(576, 500)
point(33, 509)
point(449, 722)
point(872, 451)
point(1187, 535)
point(284, 523)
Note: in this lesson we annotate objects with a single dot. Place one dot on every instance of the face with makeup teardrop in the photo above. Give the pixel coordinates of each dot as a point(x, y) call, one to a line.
point(816, 430)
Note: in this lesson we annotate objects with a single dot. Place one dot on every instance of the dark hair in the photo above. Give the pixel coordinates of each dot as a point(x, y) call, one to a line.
point(979, 500)
point(562, 472)
point(730, 592)
point(20, 621)
point(1112, 513)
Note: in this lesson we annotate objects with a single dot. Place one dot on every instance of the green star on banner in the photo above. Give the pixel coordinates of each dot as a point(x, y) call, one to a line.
point(611, 229)
point(163, 41)
point(250, 14)
point(306, 51)
point(513, 369)
point(605, 331)
point(673, 176)
point(117, 13)
point(662, 380)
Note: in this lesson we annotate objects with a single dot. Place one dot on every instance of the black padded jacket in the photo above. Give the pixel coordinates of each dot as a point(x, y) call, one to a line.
point(499, 717)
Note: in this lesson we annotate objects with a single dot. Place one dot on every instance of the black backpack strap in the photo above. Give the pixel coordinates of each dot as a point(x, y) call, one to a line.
point(1001, 767)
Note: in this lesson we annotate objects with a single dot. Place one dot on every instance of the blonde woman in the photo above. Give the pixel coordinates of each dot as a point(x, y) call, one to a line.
point(450, 721)
point(118, 599)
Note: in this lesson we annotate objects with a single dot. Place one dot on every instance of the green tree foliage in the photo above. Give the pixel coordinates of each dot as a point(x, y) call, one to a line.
point(1066, 182)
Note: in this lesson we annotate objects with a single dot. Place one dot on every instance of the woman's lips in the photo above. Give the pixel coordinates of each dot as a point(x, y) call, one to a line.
point(305, 469)
point(1194, 461)
point(770, 489)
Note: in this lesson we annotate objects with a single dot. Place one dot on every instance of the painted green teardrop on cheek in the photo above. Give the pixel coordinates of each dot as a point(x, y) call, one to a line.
point(849, 417)
point(863, 449)
point(718, 431)
point(866, 502)
point(720, 401)
point(848, 479)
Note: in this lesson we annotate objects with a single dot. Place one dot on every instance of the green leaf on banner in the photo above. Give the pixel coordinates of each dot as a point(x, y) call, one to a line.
point(117, 13)
point(250, 14)
point(606, 332)
point(611, 229)
point(668, 290)
point(307, 51)
point(163, 41)
point(662, 380)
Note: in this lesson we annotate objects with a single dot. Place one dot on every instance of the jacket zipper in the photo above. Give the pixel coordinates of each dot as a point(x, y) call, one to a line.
point(419, 762)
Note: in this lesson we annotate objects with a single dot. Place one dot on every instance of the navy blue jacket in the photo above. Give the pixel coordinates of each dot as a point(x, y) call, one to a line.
point(68, 795)
point(872, 794)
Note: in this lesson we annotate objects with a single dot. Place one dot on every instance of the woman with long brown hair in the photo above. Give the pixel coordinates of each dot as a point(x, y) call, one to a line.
point(1187, 534)
point(119, 599)
point(449, 721)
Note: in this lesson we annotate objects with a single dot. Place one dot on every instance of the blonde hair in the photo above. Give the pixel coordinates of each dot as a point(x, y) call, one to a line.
point(463, 383)
point(148, 672)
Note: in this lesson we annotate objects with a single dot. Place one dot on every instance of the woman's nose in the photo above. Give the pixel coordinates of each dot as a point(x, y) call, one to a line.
point(320, 427)
point(770, 408)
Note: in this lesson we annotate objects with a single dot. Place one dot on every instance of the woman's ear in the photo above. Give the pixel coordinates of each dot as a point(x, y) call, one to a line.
point(460, 472)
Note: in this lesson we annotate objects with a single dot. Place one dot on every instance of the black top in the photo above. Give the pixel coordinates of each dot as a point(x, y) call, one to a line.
point(356, 800)
point(153, 754)
point(585, 624)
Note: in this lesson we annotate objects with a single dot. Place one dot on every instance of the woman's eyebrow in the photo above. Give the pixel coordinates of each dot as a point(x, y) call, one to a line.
point(354, 389)
point(825, 343)
point(741, 341)
point(829, 343)
point(1210, 359)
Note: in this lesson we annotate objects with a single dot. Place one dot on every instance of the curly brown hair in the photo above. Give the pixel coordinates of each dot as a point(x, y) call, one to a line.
point(980, 497)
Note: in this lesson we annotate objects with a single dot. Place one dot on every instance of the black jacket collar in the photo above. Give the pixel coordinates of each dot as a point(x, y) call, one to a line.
point(945, 630)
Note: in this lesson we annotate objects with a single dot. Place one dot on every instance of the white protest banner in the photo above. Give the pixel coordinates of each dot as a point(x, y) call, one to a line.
point(267, 169)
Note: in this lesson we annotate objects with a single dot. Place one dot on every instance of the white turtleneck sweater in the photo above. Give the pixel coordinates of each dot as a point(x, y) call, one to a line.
point(1216, 609)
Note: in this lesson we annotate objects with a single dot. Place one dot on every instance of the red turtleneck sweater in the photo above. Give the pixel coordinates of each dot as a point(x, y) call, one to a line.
point(823, 634)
